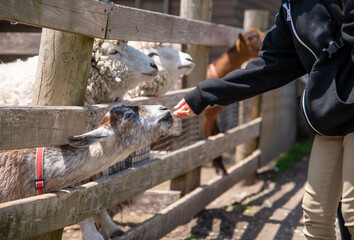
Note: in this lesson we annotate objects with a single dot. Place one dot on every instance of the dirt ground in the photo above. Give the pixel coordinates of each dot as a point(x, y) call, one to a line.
point(268, 209)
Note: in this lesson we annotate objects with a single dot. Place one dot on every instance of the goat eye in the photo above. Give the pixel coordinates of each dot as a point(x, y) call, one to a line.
point(113, 52)
point(152, 54)
point(129, 115)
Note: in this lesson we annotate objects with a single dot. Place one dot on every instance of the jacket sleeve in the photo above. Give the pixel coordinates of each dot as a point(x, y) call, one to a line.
point(348, 24)
point(277, 65)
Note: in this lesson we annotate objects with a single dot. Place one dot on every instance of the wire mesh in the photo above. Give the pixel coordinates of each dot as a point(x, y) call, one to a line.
point(182, 133)
point(228, 117)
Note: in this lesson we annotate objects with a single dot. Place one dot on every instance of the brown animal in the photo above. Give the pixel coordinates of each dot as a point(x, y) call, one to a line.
point(247, 47)
point(122, 131)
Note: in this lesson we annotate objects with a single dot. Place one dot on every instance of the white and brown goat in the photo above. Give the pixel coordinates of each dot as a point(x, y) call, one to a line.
point(122, 131)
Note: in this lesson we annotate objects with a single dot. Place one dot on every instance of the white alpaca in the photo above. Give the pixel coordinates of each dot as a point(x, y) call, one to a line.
point(122, 131)
point(171, 64)
point(116, 67)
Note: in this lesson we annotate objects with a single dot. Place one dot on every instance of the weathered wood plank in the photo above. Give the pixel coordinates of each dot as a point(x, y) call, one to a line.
point(23, 127)
point(186, 182)
point(111, 21)
point(37, 126)
point(187, 207)
point(24, 44)
point(35, 215)
point(141, 25)
point(64, 64)
point(82, 17)
point(153, 201)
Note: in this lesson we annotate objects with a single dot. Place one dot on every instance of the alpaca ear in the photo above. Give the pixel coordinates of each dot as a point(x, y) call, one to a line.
point(86, 139)
point(241, 38)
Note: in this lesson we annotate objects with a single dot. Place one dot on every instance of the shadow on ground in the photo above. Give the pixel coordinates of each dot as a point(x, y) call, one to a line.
point(269, 209)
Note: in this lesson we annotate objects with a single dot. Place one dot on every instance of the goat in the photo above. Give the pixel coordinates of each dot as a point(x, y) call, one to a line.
point(122, 131)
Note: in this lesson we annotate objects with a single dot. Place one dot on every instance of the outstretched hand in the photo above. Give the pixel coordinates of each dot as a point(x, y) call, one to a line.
point(182, 110)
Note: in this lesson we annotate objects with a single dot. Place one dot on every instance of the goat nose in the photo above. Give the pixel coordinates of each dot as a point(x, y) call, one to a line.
point(163, 108)
point(189, 59)
point(153, 65)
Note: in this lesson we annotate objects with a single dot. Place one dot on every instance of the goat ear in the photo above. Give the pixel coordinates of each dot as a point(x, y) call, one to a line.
point(86, 139)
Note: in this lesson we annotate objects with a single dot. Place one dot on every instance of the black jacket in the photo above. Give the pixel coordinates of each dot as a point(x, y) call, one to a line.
point(302, 30)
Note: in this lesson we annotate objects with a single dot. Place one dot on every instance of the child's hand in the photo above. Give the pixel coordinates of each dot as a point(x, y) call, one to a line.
point(182, 110)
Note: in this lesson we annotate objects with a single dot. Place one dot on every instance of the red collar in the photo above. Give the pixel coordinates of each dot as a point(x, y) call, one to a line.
point(39, 181)
point(213, 70)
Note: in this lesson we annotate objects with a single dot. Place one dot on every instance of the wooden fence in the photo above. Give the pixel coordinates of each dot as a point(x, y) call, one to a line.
point(24, 127)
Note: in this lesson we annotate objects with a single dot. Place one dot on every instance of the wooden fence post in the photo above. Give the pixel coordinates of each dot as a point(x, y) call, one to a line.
point(200, 10)
point(61, 79)
point(63, 69)
point(250, 108)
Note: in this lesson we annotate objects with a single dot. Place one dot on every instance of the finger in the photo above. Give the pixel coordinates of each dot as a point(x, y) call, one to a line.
point(191, 114)
point(178, 113)
point(185, 114)
point(175, 113)
point(182, 115)
point(189, 111)
point(180, 104)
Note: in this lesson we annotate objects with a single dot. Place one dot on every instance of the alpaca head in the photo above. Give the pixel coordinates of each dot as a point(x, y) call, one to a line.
point(250, 42)
point(128, 127)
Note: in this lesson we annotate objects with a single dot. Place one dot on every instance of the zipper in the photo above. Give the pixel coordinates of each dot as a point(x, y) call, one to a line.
point(289, 19)
point(305, 114)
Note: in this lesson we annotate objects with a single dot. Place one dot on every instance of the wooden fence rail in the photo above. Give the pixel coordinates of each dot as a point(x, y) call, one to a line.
point(35, 215)
point(112, 21)
point(83, 17)
point(16, 44)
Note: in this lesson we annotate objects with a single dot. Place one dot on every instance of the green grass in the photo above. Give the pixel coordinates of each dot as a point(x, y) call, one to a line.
point(295, 153)
point(191, 238)
point(243, 207)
